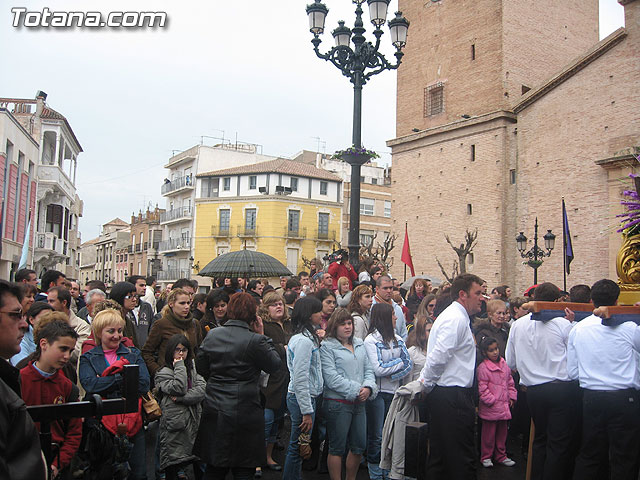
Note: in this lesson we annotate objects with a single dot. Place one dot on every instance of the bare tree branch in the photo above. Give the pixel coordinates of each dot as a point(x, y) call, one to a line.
point(454, 270)
point(470, 241)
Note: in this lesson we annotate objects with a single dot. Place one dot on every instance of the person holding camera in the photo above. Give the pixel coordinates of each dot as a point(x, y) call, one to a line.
point(341, 267)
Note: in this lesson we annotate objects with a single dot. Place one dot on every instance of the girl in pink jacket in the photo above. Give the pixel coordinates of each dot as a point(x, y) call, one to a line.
point(497, 395)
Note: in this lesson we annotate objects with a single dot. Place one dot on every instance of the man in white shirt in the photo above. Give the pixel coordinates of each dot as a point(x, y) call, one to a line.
point(538, 350)
point(448, 374)
point(602, 355)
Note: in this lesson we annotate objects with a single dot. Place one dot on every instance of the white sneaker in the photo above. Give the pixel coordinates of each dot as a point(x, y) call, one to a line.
point(487, 463)
point(507, 462)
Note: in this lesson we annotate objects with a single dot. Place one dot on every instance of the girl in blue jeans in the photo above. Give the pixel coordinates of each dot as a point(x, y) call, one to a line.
point(349, 382)
point(305, 371)
point(391, 362)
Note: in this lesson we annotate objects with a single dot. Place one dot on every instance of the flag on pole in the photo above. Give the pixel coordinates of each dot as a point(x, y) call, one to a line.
point(568, 247)
point(406, 252)
point(25, 246)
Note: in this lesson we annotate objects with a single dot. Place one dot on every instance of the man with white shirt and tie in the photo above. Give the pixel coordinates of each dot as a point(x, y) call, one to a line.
point(602, 355)
point(537, 349)
point(448, 375)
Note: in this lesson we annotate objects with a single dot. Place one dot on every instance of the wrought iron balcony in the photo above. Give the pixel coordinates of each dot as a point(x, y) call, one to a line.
point(244, 231)
point(220, 231)
point(300, 232)
point(175, 244)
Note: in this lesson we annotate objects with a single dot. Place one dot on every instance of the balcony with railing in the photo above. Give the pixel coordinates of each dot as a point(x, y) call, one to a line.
point(54, 176)
point(50, 241)
point(175, 244)
point(173, 274)
point(245, 231)
point(130, 249)
point(325, 235)
point(178, 185)
point(176, 215)
point(220, 231)
point(300, 232)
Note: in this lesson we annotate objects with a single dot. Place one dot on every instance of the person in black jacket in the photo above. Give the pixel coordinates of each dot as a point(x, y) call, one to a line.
point(231, 435)
point(20, 454)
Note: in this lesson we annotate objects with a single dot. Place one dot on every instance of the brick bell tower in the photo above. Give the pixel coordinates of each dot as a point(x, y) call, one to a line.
point(466, 64)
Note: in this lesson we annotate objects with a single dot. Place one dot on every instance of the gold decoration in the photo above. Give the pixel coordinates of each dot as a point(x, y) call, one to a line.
point(628, 263)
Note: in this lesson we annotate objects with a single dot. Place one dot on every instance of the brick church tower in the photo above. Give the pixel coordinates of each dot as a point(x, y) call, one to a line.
point(456, 156)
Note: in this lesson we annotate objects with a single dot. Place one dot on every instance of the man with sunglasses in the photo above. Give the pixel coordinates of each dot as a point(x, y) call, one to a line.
point(20, 454)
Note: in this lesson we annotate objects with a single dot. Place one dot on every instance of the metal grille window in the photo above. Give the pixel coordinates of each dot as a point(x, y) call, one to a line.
point(323, 188)
point(294, 221)
point(226, 184)
point(225, 216)
point(323, 224)
point(366, 206)
point(434, 99)
point(250, 219)
point(253, 181)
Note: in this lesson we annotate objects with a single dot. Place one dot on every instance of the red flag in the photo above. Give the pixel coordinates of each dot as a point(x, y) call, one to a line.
point(406, 252)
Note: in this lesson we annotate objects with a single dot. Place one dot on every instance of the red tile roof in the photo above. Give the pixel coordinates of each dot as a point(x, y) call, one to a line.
point(279, 165)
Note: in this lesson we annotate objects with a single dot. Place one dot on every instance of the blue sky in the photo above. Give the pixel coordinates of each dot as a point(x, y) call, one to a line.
point(233, 68)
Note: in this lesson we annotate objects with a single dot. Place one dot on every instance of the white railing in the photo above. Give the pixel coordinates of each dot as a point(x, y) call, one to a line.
point(173, 274)
point(176, 214)
point(175, 244)
point(53, 174)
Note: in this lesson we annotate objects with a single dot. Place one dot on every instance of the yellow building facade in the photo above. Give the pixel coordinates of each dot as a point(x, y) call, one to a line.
point(282, 208)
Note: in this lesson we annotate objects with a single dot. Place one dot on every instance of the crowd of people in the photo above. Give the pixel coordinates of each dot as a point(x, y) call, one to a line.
point(335, 351)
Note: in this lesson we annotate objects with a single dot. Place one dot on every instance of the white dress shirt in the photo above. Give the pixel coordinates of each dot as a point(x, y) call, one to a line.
point(604, 358)
point(451, 351)
point(538, 350)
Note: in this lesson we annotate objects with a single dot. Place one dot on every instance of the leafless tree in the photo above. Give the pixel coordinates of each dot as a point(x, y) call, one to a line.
point(463, 251)
point(379, 252)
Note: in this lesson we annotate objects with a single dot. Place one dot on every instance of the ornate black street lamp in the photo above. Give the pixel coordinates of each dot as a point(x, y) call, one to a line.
point(358, 60)
point(536, 254)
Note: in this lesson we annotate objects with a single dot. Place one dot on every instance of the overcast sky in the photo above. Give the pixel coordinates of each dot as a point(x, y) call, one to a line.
point(233, 68)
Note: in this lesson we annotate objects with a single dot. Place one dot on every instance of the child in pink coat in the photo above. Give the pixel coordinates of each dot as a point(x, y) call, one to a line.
point(497, 395)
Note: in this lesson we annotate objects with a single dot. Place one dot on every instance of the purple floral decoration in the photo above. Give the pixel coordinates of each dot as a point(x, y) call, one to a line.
point(631, 218)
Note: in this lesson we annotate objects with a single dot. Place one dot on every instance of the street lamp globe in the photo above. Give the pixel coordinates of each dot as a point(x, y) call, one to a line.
point(378, 11)
point(549, 240)
point(399, 27)
point(521, 240)
point(342, 35)
point(317, 13)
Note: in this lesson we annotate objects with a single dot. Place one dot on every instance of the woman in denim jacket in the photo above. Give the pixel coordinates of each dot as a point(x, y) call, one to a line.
point(348, 382)
point(391, 362)
point(305, 384)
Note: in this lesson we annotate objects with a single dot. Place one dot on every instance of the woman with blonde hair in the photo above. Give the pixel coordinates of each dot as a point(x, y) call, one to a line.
point(277, 326)
point(359, 307)
point(100, 373)
point(176, 318)
point(343, 294)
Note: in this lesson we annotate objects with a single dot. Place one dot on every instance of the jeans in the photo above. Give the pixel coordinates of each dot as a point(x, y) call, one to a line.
point(376, 413)
point(271, 420)
point(346, 424)
point(293, 463)
point(137, 457)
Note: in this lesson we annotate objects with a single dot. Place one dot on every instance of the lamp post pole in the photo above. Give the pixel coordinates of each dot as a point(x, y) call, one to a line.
point(358, 60)
point(536, 255)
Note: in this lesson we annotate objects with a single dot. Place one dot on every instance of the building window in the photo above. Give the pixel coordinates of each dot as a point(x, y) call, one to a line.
point(473, 153)
point(366, 206)
point(387, 209)
point(294, 184)
point(366, 237)
point(470, 258)
point(434, 99)
point(473, 51)
point(225, 216)
point(374, 181)
point(469, 209)
point(294, 221)
point(323, 188)
point(210, 187)
point(54, 219)
point(361, 179)
point(323, 225)
point(512, 176)
point(226, 184)
point(250, 220)
point(253, 182)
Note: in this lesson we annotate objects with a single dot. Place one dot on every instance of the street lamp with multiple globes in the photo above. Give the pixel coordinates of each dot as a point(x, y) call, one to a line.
point(536, 254)
point(358, 60)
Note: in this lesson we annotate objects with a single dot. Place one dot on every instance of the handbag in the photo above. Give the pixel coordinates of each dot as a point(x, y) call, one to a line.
point(150, 407)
